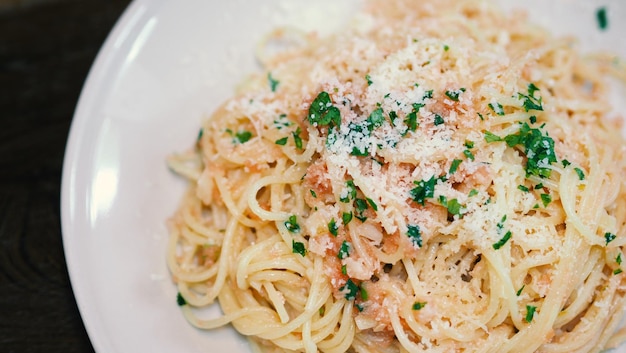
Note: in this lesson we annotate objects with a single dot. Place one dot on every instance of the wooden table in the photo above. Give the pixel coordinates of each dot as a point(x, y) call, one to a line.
point(46, 50)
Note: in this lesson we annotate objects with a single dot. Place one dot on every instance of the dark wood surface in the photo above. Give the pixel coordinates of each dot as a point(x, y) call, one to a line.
point(46, 50)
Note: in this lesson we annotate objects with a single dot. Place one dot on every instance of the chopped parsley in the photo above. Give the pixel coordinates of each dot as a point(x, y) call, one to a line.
point(368, 78)
point(581, 174)
point(292, 224)
point(344, 250)
point(297, 139)
point(350, 289)
point(523, 188)
point(281, 141)
point(322, 112)
point(446, 47)
point(500, 243)
point(609, 237)
point(617, 271)
point(438, 120)
point(240, 136)
point(272, 82)
point(364, 295)
point(411, 121)
point(375, 119)
point(532, 119)
point(468, 154)
point(491, 137)
point(372, 204)
point(530, 101)
point(453, 206)
point(424, 189)
point(418, 305)
point(332, 227)
point(497, 108)
point(539, 148)
point(200, 133)
point(346, 217)
point(565, 163)
point(454, 166)
point(546, 199)
point(602, 18)
point(530, 312)
point(313, 193)
point(473, 192)
point(298, 248)
point(180, 300)
point(454, 95)
point(349, 192)
point(415, 235)
point(519, 291)
point(282, 122)
point(361, 206)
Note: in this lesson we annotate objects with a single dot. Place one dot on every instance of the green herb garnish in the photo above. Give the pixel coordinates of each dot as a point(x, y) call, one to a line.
point(415, 235)
point(346, 217)
point(500, 243)
point(272, 82)
point(344, 250)
point(281, 141)
point(454, 166)
point(546, 199)
point(349, 193)
point(180, 300)
point(350, 289)
point(581, 174)
point(497, 108)
point(454, 95)
point(424, 189)
point(332, 227)
point(418, 305)
point(322, 112)
point(530, 312)
point(298, 248)
point(602, 18)
point(438, 120)
point(292, 224)
point(609, 237)
point(531, 102)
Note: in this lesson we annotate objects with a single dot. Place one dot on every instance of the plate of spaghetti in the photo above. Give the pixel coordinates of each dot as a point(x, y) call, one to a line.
point(364, 176)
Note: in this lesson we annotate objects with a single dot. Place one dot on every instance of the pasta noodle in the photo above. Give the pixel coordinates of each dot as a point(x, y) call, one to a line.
point(441, 178)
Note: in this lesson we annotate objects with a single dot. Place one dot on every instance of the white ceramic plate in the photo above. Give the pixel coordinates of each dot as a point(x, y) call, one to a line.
point(164, 67)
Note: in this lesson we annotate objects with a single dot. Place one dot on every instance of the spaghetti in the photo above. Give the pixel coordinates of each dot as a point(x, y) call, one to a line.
point(440, 178)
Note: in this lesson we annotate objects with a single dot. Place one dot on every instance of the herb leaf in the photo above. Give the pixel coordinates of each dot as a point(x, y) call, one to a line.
point(349, 289)
point(415, 235)
point(180, 300)
point(281, 141)
point(272, 82)
point(454, 95)
point(418, 305)
point(292, 224)
point(424, 189)
point(298, 248)
point(530, 101)
point(530, 312)
point(502, 241)
point(322, 112)
point(344, 250)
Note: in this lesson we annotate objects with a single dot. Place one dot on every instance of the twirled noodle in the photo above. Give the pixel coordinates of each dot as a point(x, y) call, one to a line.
point(441, 178)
